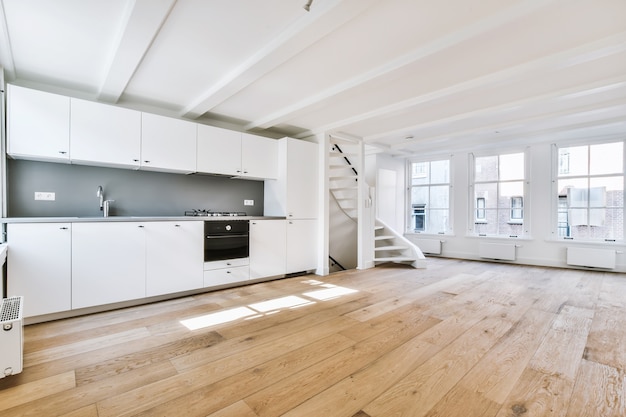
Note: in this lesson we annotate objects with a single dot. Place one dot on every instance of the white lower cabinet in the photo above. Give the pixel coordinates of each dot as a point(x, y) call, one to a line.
point(226, 272)
point(39, 266)
point(301, 245)
point(268, 247)
point(108, 263)
point(174, 256)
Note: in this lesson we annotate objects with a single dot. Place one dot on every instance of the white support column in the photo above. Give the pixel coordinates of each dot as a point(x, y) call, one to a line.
point(323, 223)
point(365, 228)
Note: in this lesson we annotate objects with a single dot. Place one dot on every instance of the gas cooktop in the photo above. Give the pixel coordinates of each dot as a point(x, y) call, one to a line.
point(209, 213)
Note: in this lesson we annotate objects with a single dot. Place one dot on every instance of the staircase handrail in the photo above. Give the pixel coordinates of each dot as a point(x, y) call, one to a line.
point(346, 159)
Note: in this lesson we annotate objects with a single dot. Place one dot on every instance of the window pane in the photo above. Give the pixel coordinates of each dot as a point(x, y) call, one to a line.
point(606, 158)
point(440, 196)
point(512, 167)
point(438, 221)
point(486, 168)
point(573, 161)
point(489, 192)
point(419, 173)
point(440, 172)
point(508, 190)
point(490, 226)
point(419, 195)
point(613, 224)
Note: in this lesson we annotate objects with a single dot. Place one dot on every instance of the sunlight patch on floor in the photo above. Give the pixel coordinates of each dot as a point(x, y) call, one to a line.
point(273, 306)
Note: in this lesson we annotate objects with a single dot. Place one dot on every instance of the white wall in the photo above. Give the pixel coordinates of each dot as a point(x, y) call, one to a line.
point(537, 249)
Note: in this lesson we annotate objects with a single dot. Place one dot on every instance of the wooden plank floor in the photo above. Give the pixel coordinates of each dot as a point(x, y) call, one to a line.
point(459, 338)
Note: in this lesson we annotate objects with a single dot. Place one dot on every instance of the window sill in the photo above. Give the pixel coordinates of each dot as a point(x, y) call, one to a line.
point(474, 236)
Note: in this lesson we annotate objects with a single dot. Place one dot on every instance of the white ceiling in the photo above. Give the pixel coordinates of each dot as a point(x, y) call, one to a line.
point(407, 76)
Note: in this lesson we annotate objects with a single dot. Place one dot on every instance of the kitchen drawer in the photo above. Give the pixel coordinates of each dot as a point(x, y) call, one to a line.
point(229, 263)
point(223, 276)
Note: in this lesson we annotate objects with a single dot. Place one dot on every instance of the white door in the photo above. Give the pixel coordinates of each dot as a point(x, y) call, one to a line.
point(386, 197)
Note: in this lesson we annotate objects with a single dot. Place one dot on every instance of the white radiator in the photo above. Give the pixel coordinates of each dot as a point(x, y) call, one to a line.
point(499, 251)
point(11, 336)
point(431, 246)
point(590, 257)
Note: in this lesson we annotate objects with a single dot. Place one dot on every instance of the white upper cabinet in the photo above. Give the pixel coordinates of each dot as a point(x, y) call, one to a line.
point(294, 193)
point(259, 157)
point(104, 135)
point(167, 144)
point(227, 152)
point(38, 125)
point(219, 151)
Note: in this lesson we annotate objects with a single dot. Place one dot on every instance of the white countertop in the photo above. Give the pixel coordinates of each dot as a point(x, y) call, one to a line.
point(131, 219)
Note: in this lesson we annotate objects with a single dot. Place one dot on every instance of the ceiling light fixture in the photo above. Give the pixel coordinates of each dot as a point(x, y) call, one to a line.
point(307, 6)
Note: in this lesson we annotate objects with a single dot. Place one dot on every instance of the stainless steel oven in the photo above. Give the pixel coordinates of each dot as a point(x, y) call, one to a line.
point(226, 239)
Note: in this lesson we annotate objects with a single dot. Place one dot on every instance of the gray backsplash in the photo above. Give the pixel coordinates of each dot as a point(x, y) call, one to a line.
point(136, 193)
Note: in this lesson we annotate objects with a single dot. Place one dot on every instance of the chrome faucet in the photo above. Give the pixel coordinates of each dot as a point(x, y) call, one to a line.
point(107, 207)
point(100, 195)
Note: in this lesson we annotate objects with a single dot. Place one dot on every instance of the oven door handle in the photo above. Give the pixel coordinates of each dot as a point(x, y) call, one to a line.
point(225, 236)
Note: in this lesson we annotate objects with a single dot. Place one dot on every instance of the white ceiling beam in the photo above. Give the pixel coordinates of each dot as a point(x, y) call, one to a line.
point(143, 21)
point(534, 101)
point(578, 116)
point(440, 44)
point(298, 36)
point(6, 54)
point(579, 55)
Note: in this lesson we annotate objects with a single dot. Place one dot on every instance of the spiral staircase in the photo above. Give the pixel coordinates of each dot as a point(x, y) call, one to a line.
point(389, 245)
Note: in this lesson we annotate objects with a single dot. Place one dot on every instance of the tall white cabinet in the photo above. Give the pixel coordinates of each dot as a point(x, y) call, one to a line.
point(294, 195)
point(39, 263)
point(38, 125)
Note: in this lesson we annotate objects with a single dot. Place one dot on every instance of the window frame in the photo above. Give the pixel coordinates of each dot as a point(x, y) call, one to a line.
point(409, 229)
point(559, 210)
point(472, 209)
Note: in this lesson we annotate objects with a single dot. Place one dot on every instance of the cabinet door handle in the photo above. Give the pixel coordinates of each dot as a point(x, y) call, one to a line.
point(146, 162)
point(177, 225)
point(63, 228)
point(62, 152)
point(141, 226)
point(135, 160)
point(228, 272)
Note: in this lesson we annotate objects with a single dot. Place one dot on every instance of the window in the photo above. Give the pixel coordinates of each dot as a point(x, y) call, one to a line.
point(498, 188)
point(429, 197)
point(480, 209)
point(517, 208)
point(590, 192)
